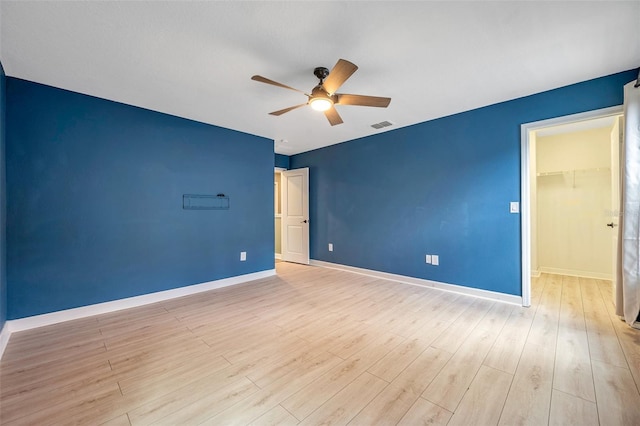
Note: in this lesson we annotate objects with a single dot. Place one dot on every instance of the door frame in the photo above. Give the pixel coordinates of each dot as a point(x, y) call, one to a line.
point(525, 184)
point(278, 170)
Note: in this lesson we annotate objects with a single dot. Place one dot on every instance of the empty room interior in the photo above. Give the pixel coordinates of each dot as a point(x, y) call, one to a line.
point(314, 213)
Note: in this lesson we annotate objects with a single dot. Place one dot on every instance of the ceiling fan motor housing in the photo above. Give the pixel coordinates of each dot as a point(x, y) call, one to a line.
point(319, 92)
point(321, 73)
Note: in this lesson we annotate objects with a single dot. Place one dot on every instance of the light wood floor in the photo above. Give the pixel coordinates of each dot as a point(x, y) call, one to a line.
point(318, 346)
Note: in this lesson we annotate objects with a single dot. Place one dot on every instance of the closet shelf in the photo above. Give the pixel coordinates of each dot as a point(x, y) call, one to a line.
point(563, 172)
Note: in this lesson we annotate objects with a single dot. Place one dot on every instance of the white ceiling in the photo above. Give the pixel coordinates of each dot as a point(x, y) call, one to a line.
point(195, 59)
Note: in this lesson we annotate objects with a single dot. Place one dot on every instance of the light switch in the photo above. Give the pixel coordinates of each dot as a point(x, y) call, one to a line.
point(514, 207)
point(435, 259)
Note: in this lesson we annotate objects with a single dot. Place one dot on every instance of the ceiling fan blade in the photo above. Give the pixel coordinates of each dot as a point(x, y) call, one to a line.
point(372, 101)
point(338, 75)
point(333, 116)
point(282, 111)
point(262, 79)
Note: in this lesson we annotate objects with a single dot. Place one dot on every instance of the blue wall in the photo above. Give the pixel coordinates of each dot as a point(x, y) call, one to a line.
point(3, 204)
point(282, 161)
point(440, 187)
point(94, 196)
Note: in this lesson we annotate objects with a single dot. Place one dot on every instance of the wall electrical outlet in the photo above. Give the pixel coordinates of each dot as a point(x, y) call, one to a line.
point(435, 259)
point(243, 256)
point(330, 246)
point(427, 258)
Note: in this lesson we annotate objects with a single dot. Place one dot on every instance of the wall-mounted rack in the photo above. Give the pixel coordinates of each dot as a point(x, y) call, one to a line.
point(205, 202)
point(566, 172)
point(572, 173)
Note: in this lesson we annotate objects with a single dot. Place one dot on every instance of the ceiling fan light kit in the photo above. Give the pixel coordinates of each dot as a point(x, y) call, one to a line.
point(323, 97)
point(320, 99)
point(320, 104)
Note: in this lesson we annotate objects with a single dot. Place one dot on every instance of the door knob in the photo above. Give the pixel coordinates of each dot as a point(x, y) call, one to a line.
point(611, 225)
point(304, 221)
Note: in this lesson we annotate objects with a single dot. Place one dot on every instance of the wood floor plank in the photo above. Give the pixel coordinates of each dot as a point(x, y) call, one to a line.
point(72, 409)
point(121, 420)
point(424, 412)
point(603, 343)
point(629, 339)
point(26, 396)
point(195, 400)
point(571, 310)
point(144, 356)
point(528, 401)
point(342, 407)
point(277, 416)
point(191, 404)
point(266, 399)
point(348, 347)
point(449, 386)
point(175, 375)
point(309, 398)
point(482, 403)
point(30, 358)
point(616, 394)
point(507, 349)
point(417, 319)
point(439, 316)
point(544, 329)
point(462, 327)
point(327, 323)
point(14, 377)
point(267, 370)
point(570, 410)
point(572, 371)
point(278, 344)
point(399, 396)
point(398, 359)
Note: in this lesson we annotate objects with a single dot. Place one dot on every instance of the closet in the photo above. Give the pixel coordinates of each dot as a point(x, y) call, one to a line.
point(573, 203)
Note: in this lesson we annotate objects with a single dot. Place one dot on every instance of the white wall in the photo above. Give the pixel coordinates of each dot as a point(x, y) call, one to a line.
point(573, 197)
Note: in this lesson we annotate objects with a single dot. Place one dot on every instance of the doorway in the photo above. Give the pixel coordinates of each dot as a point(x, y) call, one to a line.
point(277, 210)
point(566, 196)
point(291, 208)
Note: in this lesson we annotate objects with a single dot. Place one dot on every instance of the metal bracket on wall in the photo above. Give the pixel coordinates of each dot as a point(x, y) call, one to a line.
point(205, 202)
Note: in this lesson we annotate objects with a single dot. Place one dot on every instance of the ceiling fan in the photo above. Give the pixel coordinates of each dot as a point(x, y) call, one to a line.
point(323, 97)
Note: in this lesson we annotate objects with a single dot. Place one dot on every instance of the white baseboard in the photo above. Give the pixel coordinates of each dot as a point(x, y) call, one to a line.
point(4, 338)
point(576, 273)
point(13, 326)
point(278, 256)
point(452, 288)
point(535, 273)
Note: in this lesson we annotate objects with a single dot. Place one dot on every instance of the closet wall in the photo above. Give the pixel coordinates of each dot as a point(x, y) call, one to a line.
point(573, 199)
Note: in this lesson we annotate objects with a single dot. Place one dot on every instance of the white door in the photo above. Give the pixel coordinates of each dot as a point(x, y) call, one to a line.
point(295, 215)
point(614, 222)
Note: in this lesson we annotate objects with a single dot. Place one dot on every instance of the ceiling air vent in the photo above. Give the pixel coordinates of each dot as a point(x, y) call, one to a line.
point(382, 124)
